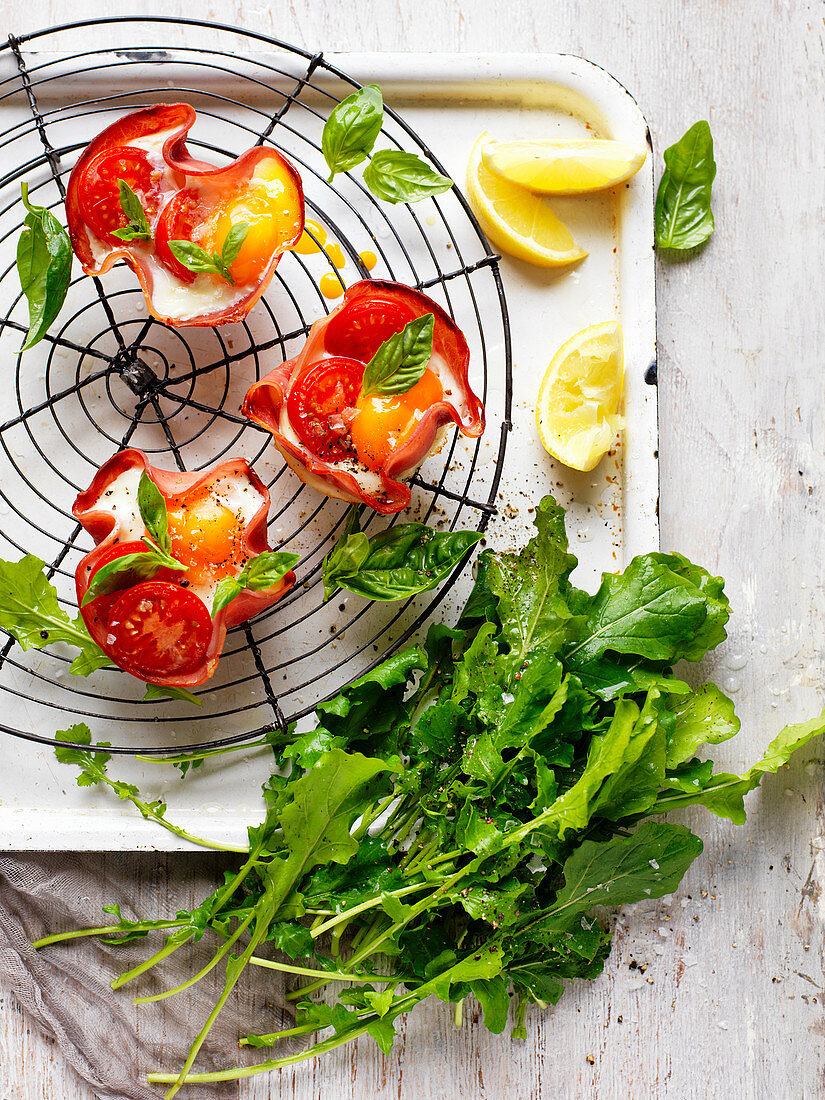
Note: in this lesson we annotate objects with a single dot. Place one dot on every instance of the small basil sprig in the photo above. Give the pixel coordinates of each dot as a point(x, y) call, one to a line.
point(44, 265)
point(261, 572)
point(401, 360)
point(396, 176)
point(683, 215)
point(142, 565)
point(350, 131)
point(395, 563)
point(195, 258)
point(170, 691)
point(137, 227)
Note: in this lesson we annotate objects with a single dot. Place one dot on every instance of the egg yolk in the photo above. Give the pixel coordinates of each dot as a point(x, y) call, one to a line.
point(383, 424)
point(206, 536)
point(270, 207)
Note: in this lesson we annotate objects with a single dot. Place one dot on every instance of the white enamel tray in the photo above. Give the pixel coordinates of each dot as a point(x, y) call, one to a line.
point(612, 512)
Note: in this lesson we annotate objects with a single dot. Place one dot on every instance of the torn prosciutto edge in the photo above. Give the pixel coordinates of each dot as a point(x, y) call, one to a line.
point(182, 198)
point(109, 511)
point(384, 489)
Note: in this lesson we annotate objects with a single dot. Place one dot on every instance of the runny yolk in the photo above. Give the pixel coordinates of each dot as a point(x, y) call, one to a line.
point(383, 424)
point(206, 536)
point(269, 205)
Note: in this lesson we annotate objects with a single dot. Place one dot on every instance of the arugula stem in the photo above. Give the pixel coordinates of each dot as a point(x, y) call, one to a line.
point(330, 975)
point(362, 908)
point(274, 1036)
point(153, 960)
point(206, 969)
point(109, 930)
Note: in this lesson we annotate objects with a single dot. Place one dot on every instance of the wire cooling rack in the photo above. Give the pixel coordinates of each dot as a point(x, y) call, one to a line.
point(107, 376)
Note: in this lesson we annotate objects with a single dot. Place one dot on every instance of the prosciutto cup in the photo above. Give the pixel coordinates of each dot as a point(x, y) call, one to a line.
point(350, 476)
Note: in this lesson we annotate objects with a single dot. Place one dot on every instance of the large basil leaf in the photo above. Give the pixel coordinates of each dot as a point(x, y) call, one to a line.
point(350, 131)
point(399, 562)
point(683, 215)
point(396, 176)
point(44, 264)
point(401, 360)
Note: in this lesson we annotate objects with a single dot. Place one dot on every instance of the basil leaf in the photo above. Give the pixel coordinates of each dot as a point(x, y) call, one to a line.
point(396, 176)
point(233, 243)
point(197, 259)
point(266, 569)
point(168, 691)
point(400, 361)
point(683, 216)
point(152, 507)
point(44, 265)
point(261, 572)
point(345, 560)
point(123, 572)
point(137, 228)
point(399, 562)
point(350, 131)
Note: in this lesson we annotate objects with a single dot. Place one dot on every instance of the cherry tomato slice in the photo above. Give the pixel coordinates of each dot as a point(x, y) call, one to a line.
point(359, 330)
point(96, 612)
point(100, 194)
point(320, 404)
point(159, 629)
point(178, 222)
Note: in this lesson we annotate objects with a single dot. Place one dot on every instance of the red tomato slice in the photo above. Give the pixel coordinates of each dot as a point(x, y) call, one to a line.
point(180, 217)
point(96, 613)
point(359, 330)
point(319, 405)
point(159, 629)
point(100, 195)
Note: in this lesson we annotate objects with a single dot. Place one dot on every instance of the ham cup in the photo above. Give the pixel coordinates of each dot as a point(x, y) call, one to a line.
point(158, 624)
point(361, 447)
point(172, 201)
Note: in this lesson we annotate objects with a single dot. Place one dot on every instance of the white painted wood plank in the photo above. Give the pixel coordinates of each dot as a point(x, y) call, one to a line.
point(741, 330)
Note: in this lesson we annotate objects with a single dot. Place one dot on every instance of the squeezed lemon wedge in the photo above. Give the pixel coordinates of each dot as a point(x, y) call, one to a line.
point(563, 166)
point(577, 410)
point(516, 220)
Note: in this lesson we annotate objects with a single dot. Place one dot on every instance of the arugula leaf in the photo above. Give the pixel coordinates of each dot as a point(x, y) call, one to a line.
point(648, 864)
point(705, 717)
point(44, 265)
point(401, 360)
point(352, 128)
point(657, 609)
point(261, 572)
point(396, 563)
point(169, 691)
point(197, 259)
point(396, 176)
point(532, 587)
point(29, 611)
point(683, 215)
point(137, 227)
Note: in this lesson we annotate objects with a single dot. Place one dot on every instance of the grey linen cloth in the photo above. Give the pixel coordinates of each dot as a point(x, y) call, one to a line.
point(111, 1042)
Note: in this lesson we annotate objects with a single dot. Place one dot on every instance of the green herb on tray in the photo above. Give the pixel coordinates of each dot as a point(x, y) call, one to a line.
point(458, 817)
point(683, 217)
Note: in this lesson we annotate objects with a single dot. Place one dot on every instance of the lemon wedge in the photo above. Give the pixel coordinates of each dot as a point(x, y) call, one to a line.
point(517, 221)
point(563, 166)
point(577, 410)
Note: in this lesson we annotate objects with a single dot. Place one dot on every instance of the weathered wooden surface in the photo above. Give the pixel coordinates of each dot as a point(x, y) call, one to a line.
point(730, 1002)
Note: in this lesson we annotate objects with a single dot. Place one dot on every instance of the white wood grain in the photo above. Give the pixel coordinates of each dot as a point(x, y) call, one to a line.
point(730, 1004)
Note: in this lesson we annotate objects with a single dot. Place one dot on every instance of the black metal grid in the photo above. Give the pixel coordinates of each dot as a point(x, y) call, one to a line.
point(137, 361)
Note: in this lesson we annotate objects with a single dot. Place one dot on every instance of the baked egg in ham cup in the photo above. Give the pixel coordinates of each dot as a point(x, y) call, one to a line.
point(180, 559)
point(370, 395)
point(204, 241)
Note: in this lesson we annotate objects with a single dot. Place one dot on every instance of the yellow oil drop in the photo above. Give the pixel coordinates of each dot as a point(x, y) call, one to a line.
point(368, 259)
point(331, 286)
point(306, 245)
point(336, 256)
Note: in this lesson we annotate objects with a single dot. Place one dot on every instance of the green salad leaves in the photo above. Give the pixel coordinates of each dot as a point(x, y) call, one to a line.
point(455, 820)
point(683, 217)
